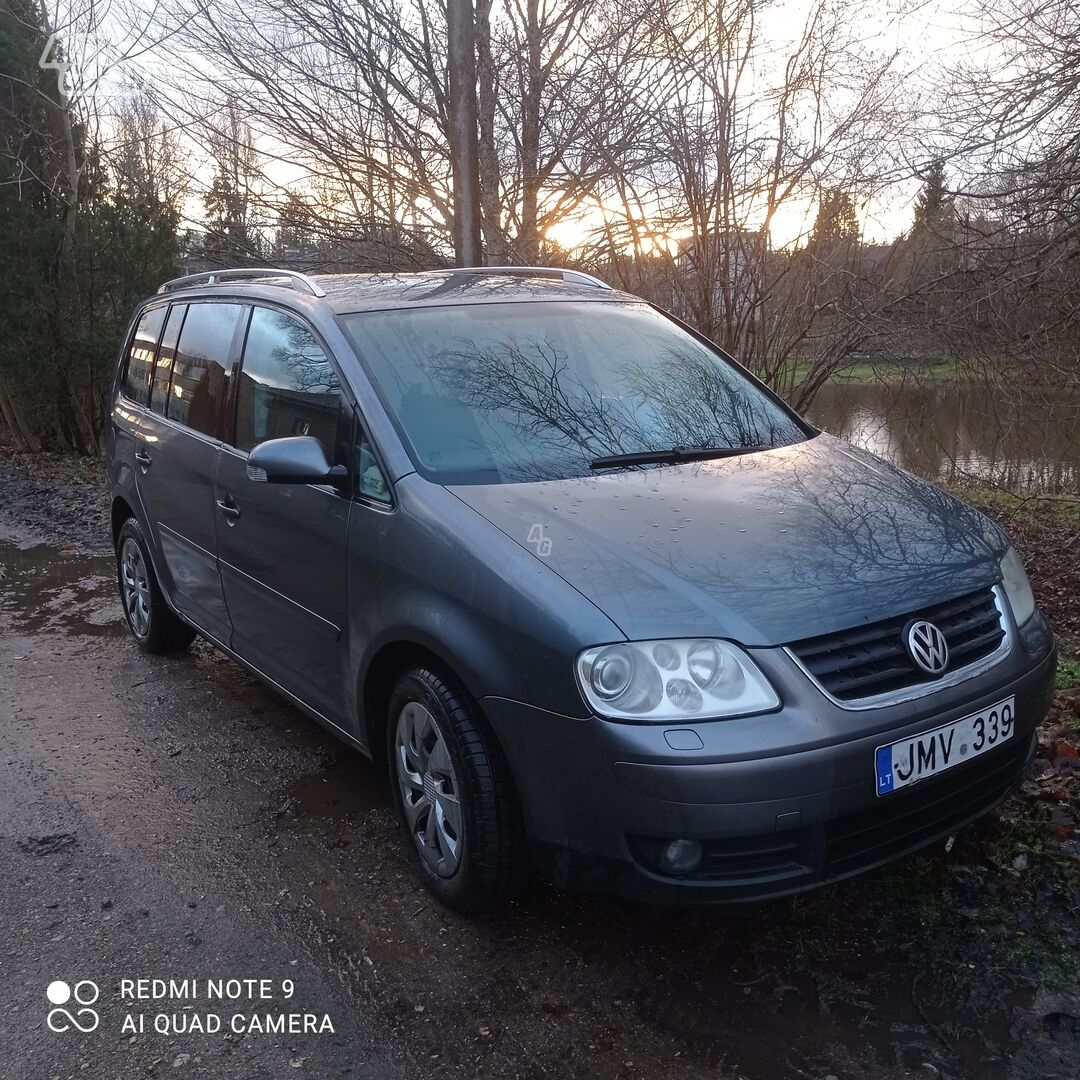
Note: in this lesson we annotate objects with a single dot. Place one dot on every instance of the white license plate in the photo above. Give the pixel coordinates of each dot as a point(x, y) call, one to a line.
point(903, 763)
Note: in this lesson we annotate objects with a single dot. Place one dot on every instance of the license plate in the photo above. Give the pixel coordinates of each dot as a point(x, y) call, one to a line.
point(904, 763)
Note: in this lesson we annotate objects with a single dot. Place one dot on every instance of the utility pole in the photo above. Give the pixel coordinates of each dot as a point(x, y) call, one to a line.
point(464, 151)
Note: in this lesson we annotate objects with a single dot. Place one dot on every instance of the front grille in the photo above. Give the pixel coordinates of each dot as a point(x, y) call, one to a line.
point(904, 821)
point(870, 660)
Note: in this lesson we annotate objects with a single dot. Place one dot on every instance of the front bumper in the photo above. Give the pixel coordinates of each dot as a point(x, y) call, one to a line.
point(781, 803)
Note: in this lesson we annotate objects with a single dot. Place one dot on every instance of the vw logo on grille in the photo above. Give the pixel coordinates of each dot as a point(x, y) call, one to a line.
point(927, 646)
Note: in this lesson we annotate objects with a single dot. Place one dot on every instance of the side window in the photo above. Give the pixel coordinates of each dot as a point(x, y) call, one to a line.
point(370, 481)
point(140, 364)
point(201, 363)
point(287, 384)
point(163, 368)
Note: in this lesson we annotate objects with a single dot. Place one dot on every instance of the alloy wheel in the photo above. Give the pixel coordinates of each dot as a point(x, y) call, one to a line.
point(136, 587)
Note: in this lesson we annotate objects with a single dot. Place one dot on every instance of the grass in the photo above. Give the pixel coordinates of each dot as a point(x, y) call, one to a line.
point(1025, 826)
point(1054, 511)
point(1068, 674)
point(867, 372)
point(1046, 531)
point(968, 919)
point(886, 371)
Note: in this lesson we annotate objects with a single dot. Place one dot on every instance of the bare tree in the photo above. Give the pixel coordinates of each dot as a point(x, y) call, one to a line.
point(356, 94)
point(737, 134)
point(147, 153)
point(1012, 120)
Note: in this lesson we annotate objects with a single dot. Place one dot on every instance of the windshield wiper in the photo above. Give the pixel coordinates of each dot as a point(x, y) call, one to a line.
point(674, 455)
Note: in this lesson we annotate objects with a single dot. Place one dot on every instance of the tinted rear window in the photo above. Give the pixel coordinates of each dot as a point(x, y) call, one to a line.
point(202, 359)
point(140, 365)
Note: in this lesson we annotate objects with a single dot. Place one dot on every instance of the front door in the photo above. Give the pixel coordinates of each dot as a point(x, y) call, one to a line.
point(282, 546)
point(176, 456)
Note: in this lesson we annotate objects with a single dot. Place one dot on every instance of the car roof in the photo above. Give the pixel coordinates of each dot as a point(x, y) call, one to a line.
point(346, 293)
point(368, 292)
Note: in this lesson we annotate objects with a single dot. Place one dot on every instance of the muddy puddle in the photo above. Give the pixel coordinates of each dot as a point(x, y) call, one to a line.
point(342, 793)
point(43, 590)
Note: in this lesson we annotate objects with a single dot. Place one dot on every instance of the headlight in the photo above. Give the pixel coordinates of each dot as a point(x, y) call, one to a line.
point(662, 681)
point(1017, 587)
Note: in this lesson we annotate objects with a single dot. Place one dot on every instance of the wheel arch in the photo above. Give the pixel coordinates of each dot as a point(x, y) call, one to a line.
point(120, 512)
point(382, 671)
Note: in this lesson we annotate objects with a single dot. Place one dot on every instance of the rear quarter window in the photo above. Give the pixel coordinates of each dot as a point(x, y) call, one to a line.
point(140, 359)
point(166, 357)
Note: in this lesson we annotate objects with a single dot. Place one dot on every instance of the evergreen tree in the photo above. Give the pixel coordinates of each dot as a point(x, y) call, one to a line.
point(297, 238)
point(71, 265)
point(933, 206)
point(31, 219)
point(836, 221)
point(231, 236)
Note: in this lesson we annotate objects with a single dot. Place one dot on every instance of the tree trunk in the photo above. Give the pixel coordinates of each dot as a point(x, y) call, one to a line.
point(490, 205)
point(461, 62)
point(528, 241)
point(25, 439)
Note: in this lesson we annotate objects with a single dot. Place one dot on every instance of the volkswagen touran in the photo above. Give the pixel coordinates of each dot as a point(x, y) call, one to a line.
point(596, 599)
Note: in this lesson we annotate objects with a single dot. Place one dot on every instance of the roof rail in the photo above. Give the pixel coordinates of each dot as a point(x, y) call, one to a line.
point(298, 281)
point(578, 276)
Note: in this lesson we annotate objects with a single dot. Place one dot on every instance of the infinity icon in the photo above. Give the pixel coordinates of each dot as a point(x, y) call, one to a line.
point(85, 993)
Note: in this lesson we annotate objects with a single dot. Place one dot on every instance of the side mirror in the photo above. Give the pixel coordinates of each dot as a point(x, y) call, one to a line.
point(299, 459)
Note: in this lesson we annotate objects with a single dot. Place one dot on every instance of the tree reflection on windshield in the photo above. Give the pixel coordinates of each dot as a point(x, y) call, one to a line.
point(533, 391)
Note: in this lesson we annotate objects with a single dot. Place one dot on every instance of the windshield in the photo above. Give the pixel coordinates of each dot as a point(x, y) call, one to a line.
point(498, 393)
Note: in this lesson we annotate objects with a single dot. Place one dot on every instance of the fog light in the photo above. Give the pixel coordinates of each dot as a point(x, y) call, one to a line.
point(680, 856)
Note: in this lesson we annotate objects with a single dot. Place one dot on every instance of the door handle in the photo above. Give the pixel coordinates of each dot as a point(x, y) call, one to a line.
point(144, 459)
point(229, 509)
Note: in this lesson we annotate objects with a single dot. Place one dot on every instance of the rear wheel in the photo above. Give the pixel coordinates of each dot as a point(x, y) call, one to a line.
point(453, 793)
point(153, 625)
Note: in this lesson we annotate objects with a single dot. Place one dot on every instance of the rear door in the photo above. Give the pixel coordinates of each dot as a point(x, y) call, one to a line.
point(176, 455)
point(282, 546)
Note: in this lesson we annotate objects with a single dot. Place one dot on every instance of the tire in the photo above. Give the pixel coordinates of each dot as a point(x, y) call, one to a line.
point(153, 625)
point(441, 754)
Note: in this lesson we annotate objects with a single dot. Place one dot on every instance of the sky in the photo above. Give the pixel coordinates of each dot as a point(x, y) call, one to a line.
point(926, 34)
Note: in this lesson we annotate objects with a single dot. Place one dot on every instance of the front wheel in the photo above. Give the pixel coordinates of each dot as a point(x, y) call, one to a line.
point(453, 794)
point(153, 625)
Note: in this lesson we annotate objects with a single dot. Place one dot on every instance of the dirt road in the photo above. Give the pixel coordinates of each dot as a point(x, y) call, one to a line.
point(173, 819)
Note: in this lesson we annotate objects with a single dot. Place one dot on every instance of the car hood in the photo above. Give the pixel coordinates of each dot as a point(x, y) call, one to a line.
point(765, 548)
